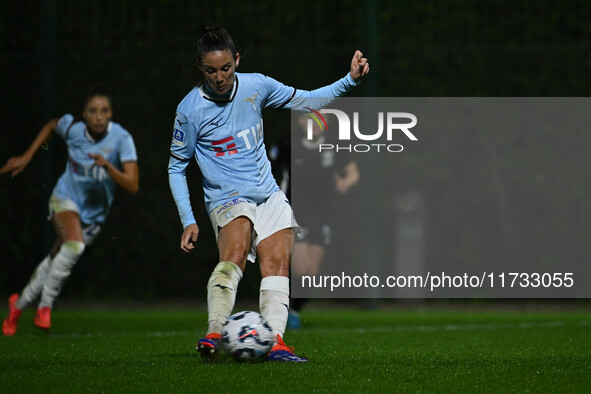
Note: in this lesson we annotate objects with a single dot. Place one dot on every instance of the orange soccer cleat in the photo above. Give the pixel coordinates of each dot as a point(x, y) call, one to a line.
point(208, 346)
point(10, 324)
point(282, 352)
point(43, 318)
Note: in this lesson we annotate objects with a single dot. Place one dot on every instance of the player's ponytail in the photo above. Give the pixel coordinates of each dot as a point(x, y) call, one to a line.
point(214, 38)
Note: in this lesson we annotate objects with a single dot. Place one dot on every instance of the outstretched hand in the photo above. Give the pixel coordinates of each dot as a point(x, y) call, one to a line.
point(15, 165)
point(359, 66)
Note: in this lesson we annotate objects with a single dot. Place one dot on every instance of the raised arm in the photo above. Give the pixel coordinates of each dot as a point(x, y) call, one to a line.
point(17, 164)
point(318, 98)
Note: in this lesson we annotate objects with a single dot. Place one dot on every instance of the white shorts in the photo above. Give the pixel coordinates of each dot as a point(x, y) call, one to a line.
point(58, 205)
point(268, 217)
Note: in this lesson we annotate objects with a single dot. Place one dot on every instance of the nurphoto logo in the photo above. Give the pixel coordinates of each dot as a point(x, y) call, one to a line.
point(392, 123)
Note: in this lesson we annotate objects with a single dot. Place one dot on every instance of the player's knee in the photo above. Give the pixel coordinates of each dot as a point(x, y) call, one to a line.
point(236, 252)
point(226, 270)
point(69, 253)
point(74, 247)
point(72, 250)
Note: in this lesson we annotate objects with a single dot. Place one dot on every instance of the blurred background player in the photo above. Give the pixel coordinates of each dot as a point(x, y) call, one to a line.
point(101, 154)
point(220, 123)
point(321, 177)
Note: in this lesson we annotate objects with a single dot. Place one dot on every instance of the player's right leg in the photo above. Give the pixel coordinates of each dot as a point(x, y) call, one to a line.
point(233, 244)
point(274, 256)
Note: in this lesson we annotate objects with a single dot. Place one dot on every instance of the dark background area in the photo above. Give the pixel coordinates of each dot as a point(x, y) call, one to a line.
point(53, 52)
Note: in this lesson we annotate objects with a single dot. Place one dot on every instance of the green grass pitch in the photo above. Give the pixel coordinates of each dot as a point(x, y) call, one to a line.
point(349, 351)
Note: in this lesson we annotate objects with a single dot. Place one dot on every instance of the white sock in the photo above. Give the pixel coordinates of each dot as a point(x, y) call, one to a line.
point(221, 294)
point(35, 285)
point(274, 302)
point(60, 269)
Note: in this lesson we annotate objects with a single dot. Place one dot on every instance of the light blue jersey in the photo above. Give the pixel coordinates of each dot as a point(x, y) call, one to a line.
point(90, 186)
point(226, 138)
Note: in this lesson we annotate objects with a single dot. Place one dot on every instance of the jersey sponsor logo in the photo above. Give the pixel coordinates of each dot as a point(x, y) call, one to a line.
point(219, 150)
point(178, 137)
point(95, 172)
point(229, 204)
point(250, 137)
point(256, 132)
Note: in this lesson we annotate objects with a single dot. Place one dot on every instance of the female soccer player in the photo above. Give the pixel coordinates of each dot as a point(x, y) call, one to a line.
point(220, 123)
point(101, 154)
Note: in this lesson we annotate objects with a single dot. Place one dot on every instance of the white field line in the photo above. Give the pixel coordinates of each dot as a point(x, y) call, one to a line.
point(125, 334)
point(359, 330)
point(455, 327)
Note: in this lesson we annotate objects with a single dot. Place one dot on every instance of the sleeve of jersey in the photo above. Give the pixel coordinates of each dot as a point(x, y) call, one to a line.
point(180, 191)
point(315, 99)
point(184, 138)
point(128, 152)
point(62, 125)
point(182, 150)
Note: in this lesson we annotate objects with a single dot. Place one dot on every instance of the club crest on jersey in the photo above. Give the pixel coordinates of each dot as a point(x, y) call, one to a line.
point(178, 137)
point(251, 100)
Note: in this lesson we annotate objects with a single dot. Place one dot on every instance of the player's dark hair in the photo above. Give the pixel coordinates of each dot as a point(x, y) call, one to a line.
point(94, 92)
point(214, 38)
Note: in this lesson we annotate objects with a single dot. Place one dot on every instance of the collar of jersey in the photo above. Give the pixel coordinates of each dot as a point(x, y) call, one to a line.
point(313, 144)
point(208, 94)
point(92, 139)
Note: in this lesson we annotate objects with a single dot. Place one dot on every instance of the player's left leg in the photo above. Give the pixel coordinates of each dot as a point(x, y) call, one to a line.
point(274, 256)
point(10, 324)
point(69, 228)
point(33, 289)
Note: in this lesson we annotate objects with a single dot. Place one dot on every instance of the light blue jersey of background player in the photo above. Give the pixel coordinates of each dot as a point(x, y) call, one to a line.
point(226, 137)
point(88, 185)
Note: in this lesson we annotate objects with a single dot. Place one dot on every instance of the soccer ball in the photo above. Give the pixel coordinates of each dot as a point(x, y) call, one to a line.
point(247, 336)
